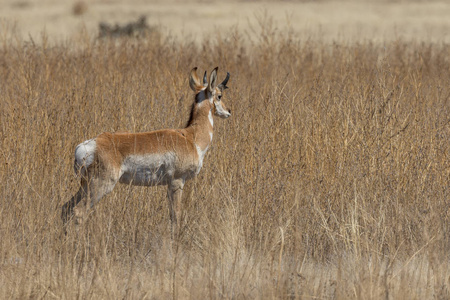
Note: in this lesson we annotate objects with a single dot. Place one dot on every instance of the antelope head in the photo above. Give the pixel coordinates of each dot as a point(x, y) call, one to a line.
point(211, 91)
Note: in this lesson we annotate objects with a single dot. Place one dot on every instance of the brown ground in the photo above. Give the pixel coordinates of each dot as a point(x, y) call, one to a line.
point(328, 20)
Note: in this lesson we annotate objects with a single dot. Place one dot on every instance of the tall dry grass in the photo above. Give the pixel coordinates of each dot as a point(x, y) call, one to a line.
point(330, 180)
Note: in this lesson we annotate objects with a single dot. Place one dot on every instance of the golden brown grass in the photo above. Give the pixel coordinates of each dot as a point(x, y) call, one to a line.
point(330, 180)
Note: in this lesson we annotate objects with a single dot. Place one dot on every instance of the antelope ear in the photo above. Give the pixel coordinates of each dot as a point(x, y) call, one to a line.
point(205, 81)
point(212, 80)
point(194, 81)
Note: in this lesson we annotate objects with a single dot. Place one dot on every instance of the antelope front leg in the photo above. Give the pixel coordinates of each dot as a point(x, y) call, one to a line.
point(174, 193)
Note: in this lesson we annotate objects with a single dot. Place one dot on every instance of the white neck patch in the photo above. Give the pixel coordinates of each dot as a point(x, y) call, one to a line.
point(210, 117)
point(201, 155)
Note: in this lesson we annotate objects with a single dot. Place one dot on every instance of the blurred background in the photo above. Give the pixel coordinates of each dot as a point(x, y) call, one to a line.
point(376, 20)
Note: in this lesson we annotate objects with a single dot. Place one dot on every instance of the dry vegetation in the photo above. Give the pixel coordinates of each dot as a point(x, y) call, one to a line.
point(330, 180)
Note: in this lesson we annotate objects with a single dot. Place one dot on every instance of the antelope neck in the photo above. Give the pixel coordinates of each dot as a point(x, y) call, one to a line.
point(201, 126)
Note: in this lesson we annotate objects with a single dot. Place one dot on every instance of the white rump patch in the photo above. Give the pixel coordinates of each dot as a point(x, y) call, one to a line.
point(84, 156)
point(148, 169)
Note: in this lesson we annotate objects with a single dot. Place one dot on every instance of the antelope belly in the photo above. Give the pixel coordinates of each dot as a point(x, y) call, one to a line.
point(150, 169)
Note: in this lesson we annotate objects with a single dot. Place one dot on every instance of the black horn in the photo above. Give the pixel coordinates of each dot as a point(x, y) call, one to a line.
point(223, 85)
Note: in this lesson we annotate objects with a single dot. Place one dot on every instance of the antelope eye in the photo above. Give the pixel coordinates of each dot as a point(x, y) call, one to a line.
point(219, 97)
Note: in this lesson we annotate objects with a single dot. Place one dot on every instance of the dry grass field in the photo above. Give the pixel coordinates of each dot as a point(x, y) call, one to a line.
point(329, 181)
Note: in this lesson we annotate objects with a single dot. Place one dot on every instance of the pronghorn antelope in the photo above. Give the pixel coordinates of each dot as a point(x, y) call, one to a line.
point(162, 157)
